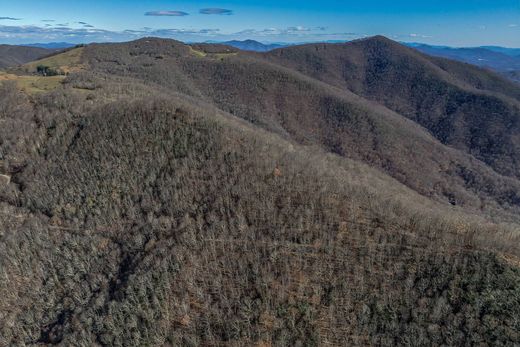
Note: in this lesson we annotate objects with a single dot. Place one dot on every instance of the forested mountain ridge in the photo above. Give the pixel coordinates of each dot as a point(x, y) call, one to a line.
point(342, 118)
point(452, 100)
point(175, 195)
point(17, 55)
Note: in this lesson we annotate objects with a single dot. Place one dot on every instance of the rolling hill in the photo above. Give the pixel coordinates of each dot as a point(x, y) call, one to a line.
point(325, 194)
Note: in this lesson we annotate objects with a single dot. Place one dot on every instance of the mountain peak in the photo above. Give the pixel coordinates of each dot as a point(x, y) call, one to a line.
point(379, 40)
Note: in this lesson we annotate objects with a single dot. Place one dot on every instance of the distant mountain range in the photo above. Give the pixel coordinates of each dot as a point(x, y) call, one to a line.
point(496, 57)
point(252, 45)
point(503, 60)
point(255, 46)
point(51, 45)
point(514, 52)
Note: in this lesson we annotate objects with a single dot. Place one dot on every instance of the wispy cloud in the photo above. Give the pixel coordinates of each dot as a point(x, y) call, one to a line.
point(513, 25)
point(85, 24)
point(31, 33)
point(217, 11)
point(88, 33)
point(166, 13)
point(294, 31)
point(173, 32)
point(422, 36)
point(48, 20)
point(297, 29)
point(9, 18)
point(33, 29)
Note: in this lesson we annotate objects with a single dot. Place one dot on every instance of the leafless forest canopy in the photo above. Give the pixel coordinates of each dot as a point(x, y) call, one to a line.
point(154, 193)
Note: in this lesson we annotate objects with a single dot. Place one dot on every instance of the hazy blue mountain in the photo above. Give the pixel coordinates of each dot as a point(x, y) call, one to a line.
point(51, 45)
point(513, 52)
point(484, 57)
point(252, 45)
point(16, 55)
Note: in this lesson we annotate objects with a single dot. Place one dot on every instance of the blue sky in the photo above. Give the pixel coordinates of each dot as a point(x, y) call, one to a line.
point(449, 22)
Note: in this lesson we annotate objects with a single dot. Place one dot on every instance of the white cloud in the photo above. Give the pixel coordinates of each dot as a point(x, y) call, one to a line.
point(422, 36)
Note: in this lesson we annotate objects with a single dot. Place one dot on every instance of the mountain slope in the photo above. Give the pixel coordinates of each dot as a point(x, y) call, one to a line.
point(314, 113)
point(467, 108)
point(157, 221)
point(17, 55)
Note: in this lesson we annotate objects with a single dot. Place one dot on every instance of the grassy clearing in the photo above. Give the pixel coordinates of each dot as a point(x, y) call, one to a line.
point(224, 55)
point(33, 84)
point(69, 61)
point(64, 63)
point(202, 54)
point(38, 84)
point(197, 53)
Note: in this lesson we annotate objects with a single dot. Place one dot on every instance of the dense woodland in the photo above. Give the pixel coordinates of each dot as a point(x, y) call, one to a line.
point(172, 195)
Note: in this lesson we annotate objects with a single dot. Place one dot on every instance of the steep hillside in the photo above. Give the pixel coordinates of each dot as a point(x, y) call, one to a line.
point(311, 112)
point(17, 55)
point(464, 107)
point(135, 220)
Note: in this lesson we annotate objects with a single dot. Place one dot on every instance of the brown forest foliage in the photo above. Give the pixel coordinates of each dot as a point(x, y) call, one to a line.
point(164, 198)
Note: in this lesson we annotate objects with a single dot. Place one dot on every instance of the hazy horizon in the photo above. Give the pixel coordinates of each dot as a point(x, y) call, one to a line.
point(281, 43)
